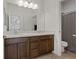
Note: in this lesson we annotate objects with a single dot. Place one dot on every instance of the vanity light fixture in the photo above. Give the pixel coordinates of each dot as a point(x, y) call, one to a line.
point(35, 6)
point(20, 3)
point(30, 5)
point(27, 4)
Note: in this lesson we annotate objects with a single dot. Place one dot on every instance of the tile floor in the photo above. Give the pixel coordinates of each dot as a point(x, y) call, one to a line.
point(66, 55)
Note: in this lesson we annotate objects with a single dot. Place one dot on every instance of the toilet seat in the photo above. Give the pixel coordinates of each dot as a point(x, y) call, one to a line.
point(63, 43)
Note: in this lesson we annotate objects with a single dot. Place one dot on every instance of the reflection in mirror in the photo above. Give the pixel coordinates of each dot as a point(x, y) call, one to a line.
point(18, 19)
point(35, 22)
point(6, 21)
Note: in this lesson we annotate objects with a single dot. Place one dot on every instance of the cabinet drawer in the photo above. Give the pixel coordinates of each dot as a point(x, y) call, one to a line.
point(34, 39)
point(15, 40)
point(34, 45)
point(11, 41)
point(22, 40)
point(46, 37)
point(34, 53)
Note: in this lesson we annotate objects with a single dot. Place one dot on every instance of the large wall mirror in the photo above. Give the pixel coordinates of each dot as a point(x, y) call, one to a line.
point(18, 18)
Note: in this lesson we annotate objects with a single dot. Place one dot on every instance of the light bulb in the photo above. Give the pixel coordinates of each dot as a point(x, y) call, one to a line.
point(20, 3)
point(26, 4)
point(35, 6)
point(30, 5)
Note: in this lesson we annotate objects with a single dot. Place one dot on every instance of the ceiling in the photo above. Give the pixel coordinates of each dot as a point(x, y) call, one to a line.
point(15, 1)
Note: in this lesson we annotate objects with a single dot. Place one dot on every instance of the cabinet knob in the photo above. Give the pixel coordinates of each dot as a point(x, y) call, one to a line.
point(74, 35)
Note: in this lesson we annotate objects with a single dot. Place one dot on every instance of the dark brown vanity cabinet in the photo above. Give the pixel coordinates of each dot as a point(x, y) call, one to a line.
point(41, 45)
point(50, 44)
point(16, 48)
point(34, 47)
point(28, 48)
point(23, 50)
point(46, 44)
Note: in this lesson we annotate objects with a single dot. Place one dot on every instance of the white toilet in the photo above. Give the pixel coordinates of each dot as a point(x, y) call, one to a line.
point(63, 45)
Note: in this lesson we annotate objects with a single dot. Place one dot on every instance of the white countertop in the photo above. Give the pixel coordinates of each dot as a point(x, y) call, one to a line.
point(25, 34)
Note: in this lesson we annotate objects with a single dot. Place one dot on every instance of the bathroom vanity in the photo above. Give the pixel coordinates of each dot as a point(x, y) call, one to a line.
point(28, 47)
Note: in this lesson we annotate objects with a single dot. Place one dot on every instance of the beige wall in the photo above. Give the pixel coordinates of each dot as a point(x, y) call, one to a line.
point(53, 22)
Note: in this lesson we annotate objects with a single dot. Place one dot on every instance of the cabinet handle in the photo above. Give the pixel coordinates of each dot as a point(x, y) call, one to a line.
point(74, 35)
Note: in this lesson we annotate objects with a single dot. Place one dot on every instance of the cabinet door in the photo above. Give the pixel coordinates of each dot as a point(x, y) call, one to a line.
point(50, 44)
point(34, 47)
point(22, 50)
point(43, 46)
point(11, 51)
point(46, 44)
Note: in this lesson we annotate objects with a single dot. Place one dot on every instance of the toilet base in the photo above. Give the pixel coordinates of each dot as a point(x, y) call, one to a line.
point(62, 49)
